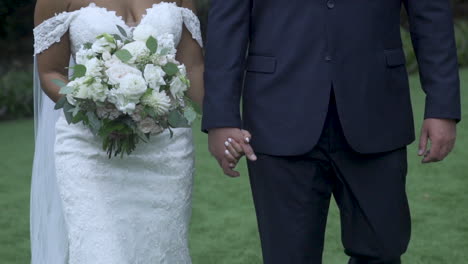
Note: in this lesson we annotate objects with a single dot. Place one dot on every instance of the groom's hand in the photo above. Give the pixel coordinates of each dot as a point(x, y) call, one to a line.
point(442, 134)
point(216, 142)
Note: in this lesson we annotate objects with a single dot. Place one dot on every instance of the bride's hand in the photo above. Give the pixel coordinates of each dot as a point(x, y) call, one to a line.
point(234, 151)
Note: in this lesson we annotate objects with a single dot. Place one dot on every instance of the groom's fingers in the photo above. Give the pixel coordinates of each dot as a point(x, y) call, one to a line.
point(435, 154)
point(235, 148)
point(247, 136)
point(228, 170)
point(249, 152)
point(423, 141)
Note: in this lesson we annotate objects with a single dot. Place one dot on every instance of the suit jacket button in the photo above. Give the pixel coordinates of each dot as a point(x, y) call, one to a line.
point(331, 4)
point(328, 58)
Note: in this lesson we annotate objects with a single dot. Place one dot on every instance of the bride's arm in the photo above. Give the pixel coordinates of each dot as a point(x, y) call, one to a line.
point(190, 53)
point(52, 62)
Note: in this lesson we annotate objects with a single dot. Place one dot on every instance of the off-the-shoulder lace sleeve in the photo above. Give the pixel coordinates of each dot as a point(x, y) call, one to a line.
point(192, 23)
point(51, 31)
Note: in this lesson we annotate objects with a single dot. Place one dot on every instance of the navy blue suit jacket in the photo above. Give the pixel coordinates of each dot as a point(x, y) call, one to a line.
point(282, 58)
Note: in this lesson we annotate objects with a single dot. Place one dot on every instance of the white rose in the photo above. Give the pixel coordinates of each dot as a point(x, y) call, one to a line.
point(144, 32)
point(177, 87)
point(94, 67)
point(89, 88)
point(98, 91)
point(138, 50)
point(80, 87)
point(101, 45)
point(111, 61)
point(83, 55)
point(133, 86)
point(154, 76)
point(118, 70)
point(130, 90)
point(75, 86)
point(159, 101)
point(121, 102)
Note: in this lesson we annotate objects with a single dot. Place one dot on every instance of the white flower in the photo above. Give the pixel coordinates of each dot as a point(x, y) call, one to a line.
point(88, 88)
point(80, 87)
point(182, 70)
point(133, 86)
point(144, 32)
point(94, 67)
point(75, 86)
point(138, 50)
point(106, 56)
point(147, 125)
point(166, 42)
point(101, 45)
point(154, 76)
point(178, 87)
point(159, 101)
point(118, 70)
point(130, 90)
point(83, 55)
point(98, 91)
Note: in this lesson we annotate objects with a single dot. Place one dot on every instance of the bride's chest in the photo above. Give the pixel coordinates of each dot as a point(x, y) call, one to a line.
point(92, 21)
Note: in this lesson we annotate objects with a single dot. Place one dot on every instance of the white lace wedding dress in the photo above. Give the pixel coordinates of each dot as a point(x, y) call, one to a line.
point(133, 210)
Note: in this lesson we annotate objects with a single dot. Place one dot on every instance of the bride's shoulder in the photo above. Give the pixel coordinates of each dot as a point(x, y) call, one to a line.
point(182, 3)
point(189, 4)
point(46, 9)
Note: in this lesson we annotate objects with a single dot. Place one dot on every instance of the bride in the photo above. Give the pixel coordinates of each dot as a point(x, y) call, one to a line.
point(86, 208)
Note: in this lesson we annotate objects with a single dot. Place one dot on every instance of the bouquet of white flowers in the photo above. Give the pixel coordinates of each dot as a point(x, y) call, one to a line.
point(126, 89)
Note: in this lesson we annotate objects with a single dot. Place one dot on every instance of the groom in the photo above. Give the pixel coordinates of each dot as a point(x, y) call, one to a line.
point(325, 96)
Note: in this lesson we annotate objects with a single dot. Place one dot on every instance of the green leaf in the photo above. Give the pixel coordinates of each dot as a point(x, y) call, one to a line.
point(152, 45)
point(164, 51)
point(150, 111)
point(60, 103)
point(79, 71)
point(68, 117)
point(66, 90)
point(190, 114)
point(59, 83)
point(94, 122)
point(79, 117)
point(170, 69)
point(171, 132)
point(88, 45)
point(195, 106)
point(109, 38)
point(67, 110)
point(177, 119)
point(117, 37)
point(122, 31)
point(124, 55)
point(111, 126)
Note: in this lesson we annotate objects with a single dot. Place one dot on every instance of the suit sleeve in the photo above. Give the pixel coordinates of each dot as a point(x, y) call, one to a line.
point(227, 41)
point(432, 33)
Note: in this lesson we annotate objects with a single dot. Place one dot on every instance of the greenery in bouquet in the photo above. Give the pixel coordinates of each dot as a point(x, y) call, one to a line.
point(127, 88)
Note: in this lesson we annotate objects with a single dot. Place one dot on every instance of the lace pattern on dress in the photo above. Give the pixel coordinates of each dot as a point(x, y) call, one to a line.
point(192, 23)
point(51, 31)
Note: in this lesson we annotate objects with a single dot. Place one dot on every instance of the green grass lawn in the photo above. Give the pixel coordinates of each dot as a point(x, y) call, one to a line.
point(224, 229)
